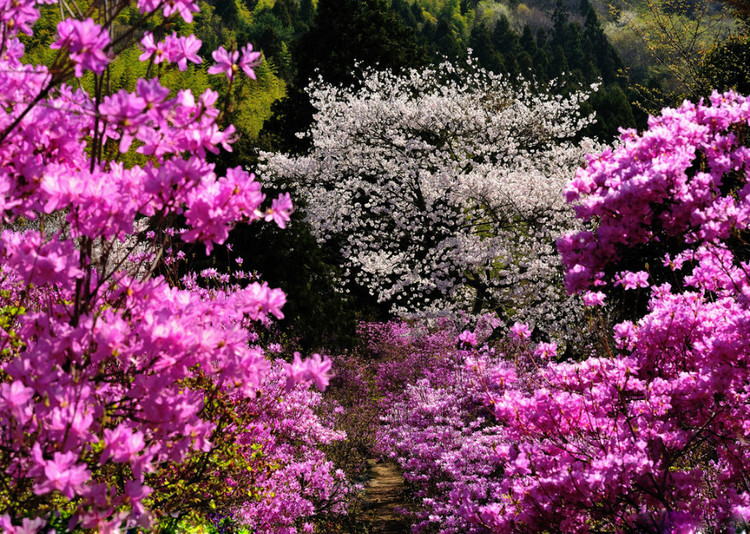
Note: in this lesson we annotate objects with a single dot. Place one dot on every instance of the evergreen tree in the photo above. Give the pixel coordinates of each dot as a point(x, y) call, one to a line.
point(483, 48)
point(446, 40)
point(525, 63)
point(282, 12)
point(573, 46)
point(560, 24)
point(527, 41)
point(227, 10)
point(558, 63)
point(403, 9)
point(504, 38)
point(542, 38)
point(599, 49)
point(613, 111)
point(346, 31)
point(417, 12)
point(306, 11)
point(541, 65)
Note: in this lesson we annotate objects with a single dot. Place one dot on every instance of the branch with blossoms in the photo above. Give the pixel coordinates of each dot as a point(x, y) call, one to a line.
point(110, 374)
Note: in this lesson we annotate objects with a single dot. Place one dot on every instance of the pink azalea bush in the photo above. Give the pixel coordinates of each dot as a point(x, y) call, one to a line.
point(299, 486)
point(649, 435)
point(436, 426)
point(112, 379)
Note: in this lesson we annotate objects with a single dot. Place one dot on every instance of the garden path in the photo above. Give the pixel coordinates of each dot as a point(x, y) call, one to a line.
point(385, 491)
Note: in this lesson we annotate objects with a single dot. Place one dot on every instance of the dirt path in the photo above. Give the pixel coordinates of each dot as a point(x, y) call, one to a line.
point(385, 491)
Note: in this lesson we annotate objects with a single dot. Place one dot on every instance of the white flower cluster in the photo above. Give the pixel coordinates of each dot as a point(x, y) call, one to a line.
point(442, 187)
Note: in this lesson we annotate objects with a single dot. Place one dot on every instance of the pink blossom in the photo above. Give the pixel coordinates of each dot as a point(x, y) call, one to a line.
point(295, 372)
point(280, 210)
point(108, 367)
point(173, 49)
point(185, 8)
point(86, 42)
point(184, 49)
point(593, 298)
point(151, 49)
point(520, 331)
point(62, 473)
point(318, 371)
point(28, 526)
point(546, 351)
point(313, 370)
point(121, 444)
point(630, 280)
point(15, 397)
point(230, 62)
point(468, 338)
point(249, 61)
point(226, 62)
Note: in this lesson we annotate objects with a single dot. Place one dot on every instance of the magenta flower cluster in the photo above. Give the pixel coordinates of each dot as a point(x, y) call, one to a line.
point(229, 63)
point(110, 371)
point(172, 49)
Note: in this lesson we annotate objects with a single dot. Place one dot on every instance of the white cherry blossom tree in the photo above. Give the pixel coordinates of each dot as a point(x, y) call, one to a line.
point(442, 188)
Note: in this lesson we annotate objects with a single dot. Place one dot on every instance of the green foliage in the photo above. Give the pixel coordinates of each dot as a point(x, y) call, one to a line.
point(346, 31)
point(255, 100)
point(8, 315)
point(613, 111)
point(727, 66)
point(251, 101)
point(677, 34)
point(575, 50)
point(317, 314)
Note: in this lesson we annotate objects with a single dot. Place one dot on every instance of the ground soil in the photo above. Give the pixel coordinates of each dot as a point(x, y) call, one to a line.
point(385, 491)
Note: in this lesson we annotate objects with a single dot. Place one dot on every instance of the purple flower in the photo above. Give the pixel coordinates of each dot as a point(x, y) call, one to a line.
point(86, 42)
point(230, 62)
point(249, 61)
point(546, 351)
point(151, 48)
point(280, 210)
point(313, 370)
point(125, 109)
point(591, 298)
point(183, 49)
point(318, 371)
point(121, 444)
point(520, 330)
point(630, 280)
point(62, 473)
point(15, 397)
point(226, 62)
point(468, 338)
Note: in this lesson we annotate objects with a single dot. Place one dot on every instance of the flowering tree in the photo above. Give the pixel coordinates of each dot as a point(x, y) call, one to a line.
point(441, 188)
point(111, 376)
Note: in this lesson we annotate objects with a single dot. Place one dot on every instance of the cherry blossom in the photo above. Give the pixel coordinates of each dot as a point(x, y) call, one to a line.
point(442, 189)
